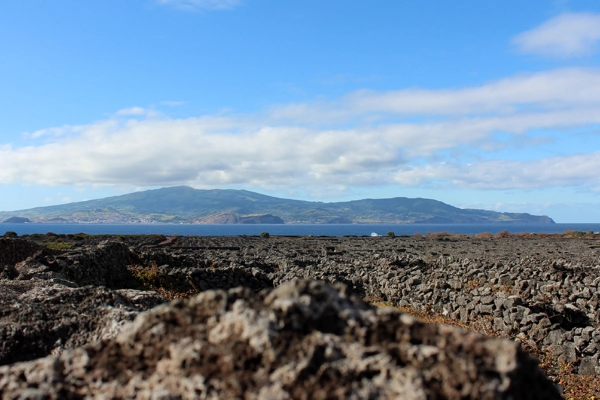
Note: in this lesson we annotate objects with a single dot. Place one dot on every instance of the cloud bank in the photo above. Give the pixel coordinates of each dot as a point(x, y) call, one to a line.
point(567, 35)
point(412, 137)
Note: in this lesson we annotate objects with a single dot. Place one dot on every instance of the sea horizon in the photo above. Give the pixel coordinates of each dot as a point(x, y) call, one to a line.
point(291, 229)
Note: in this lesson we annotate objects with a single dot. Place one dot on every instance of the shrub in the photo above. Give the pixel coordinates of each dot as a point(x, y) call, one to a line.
point(148, 276)
point(484, 235)
point(390, 234)
point(10, 234)
point(503, 234)
point(80, 236)
point(265, 235)
point(58, 245)
point(524, 235)
point(438, 235)
point(574, 234)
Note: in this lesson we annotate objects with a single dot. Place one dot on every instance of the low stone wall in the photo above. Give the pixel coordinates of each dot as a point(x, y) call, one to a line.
point(542, 292)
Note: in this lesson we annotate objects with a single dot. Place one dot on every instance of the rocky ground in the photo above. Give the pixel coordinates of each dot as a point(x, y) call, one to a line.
point(66, 303)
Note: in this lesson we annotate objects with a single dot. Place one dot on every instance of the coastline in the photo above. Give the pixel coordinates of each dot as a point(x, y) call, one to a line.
point(294, 230)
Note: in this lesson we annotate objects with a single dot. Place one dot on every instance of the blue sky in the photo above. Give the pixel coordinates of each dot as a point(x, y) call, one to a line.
point(492, 105)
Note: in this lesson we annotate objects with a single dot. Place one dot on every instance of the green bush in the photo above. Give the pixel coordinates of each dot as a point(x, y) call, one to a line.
point(10, 234)
point(80, 236)
point(58, 245)
point(265, 235)
point(390, 234)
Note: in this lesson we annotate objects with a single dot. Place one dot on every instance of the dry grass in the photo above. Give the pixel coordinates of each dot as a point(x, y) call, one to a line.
point(437, 235)
point(476, 283)
point(150, 278)
point(58, 245)
point(579, 387)
point(484, 235)
point(502, 288)
point(503, 234)
point(472, 285)
point(578, 234)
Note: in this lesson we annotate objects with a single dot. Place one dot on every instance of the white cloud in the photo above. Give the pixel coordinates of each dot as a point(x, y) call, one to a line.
point(567, 35)
point(201, 151)
point(555, 89)
point(132, 111)
point(57, 131)
point(202, 4)
point(561, 171)
point(278, 150)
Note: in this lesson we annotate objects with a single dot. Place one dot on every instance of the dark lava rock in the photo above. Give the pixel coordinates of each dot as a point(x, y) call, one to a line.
point(55, 300)
point(15, 250)
point(302, 340)
point(38, 317)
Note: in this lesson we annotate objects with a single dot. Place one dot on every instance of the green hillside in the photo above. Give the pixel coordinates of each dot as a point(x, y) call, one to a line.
point(184, 204)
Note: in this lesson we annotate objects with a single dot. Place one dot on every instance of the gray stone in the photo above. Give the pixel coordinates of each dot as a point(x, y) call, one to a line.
point(587, 366)
point(484, 309)
point(554, 338)
point(512, 301)
point(505, 280)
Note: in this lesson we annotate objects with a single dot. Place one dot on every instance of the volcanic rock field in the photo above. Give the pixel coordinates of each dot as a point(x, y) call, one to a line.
point(179, 317)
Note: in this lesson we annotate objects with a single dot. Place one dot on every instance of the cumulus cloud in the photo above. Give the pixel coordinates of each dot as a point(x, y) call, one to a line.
point(555, 89)
point(201, 4)
point(280, 150)
point(567, 35)
point(560, 171)
point(200, 151)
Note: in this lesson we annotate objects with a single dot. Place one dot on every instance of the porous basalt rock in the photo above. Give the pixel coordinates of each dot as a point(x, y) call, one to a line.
point(14, 250)
point(302, 340)
point(39, 317)
point(56, 300)
point(541, 292)
point(104, 264)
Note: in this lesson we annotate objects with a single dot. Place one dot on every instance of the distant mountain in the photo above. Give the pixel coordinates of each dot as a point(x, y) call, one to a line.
point(184, 204)
point(16, 220)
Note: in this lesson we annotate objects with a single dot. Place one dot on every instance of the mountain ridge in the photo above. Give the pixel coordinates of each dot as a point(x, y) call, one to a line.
point(183, 204)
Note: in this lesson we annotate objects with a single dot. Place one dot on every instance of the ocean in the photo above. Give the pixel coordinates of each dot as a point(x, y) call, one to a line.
point(292, 230)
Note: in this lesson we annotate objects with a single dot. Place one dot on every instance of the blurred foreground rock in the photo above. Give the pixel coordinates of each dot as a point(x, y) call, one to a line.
point(302, 340)
point(52, 301)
